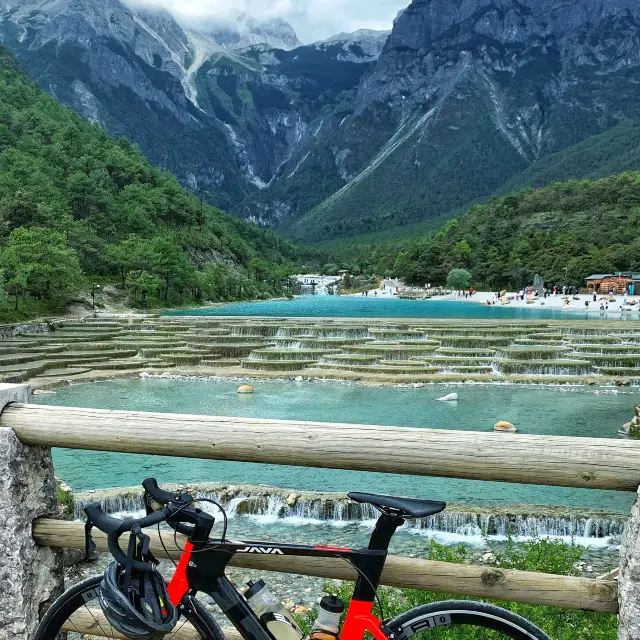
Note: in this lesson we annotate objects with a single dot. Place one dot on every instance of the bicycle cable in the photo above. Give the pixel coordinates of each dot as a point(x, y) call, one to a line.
point(175, 531)
point(166, 552)
point(375, 591)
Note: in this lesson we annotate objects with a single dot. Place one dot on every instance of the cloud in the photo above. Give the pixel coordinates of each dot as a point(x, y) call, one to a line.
point(312, 19)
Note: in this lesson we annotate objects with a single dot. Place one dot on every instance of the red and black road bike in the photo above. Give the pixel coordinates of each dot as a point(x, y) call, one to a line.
point(204, 560)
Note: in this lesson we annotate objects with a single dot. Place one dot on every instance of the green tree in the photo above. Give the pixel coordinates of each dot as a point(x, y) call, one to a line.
point(168, 262)
point(42, 260)
point(130, 254)
point(143, 285)
point(15, 284)
point(462, 254)
point(458, 279)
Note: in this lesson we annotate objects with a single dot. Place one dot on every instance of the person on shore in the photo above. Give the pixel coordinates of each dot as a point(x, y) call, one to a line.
point(586, 304)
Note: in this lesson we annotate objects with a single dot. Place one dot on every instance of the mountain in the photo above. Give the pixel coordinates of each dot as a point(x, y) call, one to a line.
point(362, 132)
point(76, 204)
point(605, 154)
point(469, 93)
point(135, 72)
point(565, 232)
point(230, 120)
point(364, 45)
point(244, 31)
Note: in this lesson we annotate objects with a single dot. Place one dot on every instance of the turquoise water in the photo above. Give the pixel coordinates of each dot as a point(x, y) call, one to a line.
point(536, 410)
point(346, 307)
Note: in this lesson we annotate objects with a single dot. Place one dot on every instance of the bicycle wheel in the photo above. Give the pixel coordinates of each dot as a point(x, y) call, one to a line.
point(77, 614)
point(462, 619)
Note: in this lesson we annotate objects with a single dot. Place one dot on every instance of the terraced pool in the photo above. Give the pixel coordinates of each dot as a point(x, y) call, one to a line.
point(538, 410)
point(373, 350)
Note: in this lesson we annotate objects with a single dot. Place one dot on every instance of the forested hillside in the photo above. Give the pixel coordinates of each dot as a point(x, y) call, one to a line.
point(364, 133)
point(76, 205)
point(564, 232)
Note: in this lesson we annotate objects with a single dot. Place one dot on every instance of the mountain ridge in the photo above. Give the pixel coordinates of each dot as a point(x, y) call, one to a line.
point(361, 132)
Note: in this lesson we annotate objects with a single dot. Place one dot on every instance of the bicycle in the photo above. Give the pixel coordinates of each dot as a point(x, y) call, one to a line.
point(202, 565)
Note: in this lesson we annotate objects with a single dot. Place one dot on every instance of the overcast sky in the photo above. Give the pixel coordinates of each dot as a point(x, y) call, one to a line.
point(312, 19)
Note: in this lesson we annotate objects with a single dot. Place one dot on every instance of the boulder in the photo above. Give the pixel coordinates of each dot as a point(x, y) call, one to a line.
point(503, 425)
point(452, 397)
point(245, 388)
point(638, 411)
point(292, 499)
point(30, 575)
point(299, 378)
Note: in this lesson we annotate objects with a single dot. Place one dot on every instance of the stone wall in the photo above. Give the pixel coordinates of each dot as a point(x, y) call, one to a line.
point(30, 576)
point(629, 579)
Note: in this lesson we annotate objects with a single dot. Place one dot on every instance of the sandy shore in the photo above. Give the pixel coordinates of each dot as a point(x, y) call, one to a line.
point(559, 302)
point(567, 303)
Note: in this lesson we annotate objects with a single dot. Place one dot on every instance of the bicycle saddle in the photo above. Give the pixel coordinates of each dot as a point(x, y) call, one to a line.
point(404, 507)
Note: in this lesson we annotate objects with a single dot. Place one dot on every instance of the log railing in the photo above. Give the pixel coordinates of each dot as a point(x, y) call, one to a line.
point(595, 463)
point(543, 460)
point(413, 573)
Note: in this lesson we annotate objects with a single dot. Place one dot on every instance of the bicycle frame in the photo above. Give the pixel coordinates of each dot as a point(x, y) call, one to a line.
point(202, 568)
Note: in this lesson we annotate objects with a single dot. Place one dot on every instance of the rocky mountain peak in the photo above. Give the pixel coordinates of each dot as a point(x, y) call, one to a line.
point(364, 45)
point(243, 31)
point(424, 21)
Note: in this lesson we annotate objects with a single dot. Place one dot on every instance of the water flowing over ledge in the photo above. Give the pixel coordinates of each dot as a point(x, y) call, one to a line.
point(267, 506)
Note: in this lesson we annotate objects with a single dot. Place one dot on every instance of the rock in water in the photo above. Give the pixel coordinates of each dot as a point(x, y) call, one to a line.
point(452, 397)
point(503, 425)
point(299, 378)
point(245, 388)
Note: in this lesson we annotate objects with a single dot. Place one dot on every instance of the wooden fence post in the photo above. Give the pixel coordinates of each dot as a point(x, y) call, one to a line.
point(30, 576)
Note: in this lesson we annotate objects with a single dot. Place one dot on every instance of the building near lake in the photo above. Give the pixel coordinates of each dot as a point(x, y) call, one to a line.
point(620, 283)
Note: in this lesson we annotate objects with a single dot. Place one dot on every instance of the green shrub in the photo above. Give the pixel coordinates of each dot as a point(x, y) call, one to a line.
point(542, 555)
point(66, 502)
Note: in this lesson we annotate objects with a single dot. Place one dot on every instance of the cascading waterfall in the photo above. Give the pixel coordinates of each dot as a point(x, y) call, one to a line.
point(470, 525)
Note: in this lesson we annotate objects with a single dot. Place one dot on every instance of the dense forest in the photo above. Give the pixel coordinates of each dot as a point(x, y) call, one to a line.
point(564, 232)
point(78, 207)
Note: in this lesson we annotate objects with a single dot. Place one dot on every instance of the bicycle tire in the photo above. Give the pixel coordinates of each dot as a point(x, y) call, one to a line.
point(438, 618)
point(83, 598)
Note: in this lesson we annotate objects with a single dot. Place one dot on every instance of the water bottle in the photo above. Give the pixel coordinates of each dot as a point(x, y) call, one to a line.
point(271, 612)
point(327, 625)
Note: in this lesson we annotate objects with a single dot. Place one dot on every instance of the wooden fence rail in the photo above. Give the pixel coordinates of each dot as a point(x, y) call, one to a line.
point(412, 573)
point(31, 430)
point(595, 463)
